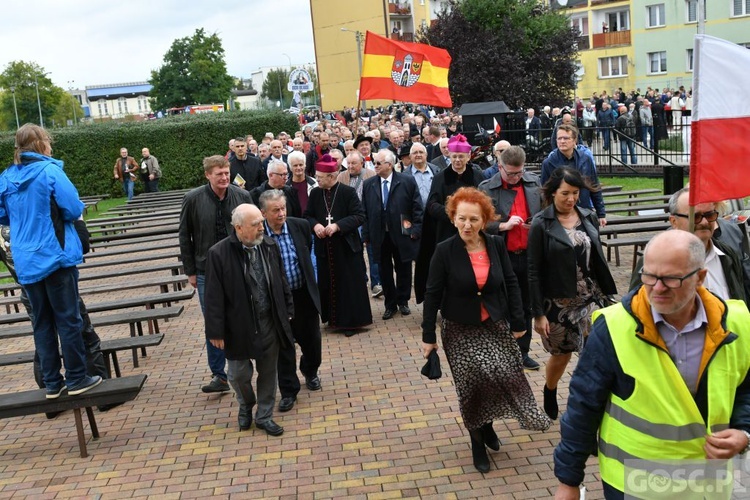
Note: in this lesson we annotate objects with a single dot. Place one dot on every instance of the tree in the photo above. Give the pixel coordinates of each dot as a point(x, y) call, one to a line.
point(274, 87)
point(194, 72)
point(517, 51)
point(65, 110)
point(20, 79)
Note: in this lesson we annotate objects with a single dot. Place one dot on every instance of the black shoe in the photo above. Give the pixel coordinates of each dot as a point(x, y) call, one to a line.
point(388, 314)
point(489, 437)
point(550, 402)
point(217, 384)
point(404, 310)
point(350, 333)
point(529, 364)
point(478, 453)
point(271, 428)
point(313, 383)
point(52, 414)
point(287, 403)
point(245, 418)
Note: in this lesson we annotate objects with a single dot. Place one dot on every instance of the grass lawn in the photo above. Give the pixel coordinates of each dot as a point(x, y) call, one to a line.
point(103, 206)
point(632, 183)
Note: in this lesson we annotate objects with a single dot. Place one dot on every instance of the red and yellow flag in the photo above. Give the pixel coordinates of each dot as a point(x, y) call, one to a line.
point(403, 71)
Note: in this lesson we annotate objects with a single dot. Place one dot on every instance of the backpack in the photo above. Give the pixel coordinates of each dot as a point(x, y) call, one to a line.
point(629, 128)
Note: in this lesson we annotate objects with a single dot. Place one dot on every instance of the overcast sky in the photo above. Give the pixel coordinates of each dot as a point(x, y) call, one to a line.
point(95, 42)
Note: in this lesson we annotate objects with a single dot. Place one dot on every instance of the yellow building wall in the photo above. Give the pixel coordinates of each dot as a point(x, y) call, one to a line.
point(336, 50)
point(591, 82)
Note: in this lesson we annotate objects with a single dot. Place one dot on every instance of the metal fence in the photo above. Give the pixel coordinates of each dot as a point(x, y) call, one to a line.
point(652, 148)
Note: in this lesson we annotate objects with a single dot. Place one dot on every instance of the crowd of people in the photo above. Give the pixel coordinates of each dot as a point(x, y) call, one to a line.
point(275, 243)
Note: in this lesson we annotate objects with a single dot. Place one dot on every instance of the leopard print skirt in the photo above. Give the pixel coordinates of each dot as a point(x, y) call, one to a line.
point(488, 374)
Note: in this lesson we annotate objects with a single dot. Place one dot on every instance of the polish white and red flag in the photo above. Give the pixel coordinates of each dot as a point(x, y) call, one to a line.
point(720, 146)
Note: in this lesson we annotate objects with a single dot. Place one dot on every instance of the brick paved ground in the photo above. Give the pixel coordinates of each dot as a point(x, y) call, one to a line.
point(377, 430)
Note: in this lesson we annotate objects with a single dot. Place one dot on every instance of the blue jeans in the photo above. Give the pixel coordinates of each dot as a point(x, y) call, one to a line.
point(216, 359)
point(127, 186)
point(625, 145)
point(647, 132)
point(54, 302)
point(605, 136)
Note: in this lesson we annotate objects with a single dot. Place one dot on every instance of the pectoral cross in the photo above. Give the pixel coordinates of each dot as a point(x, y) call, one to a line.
point(329, 220)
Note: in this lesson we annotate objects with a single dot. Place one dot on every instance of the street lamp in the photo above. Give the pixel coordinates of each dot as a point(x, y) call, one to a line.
point(358, 36)
point(15, 109)
point(289, 58)
point(38, 101)
point(71, 84)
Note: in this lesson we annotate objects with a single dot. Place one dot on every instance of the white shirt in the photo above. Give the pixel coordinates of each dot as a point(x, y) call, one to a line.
point(715, 281)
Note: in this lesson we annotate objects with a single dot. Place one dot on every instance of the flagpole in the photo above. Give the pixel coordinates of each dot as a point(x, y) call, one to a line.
point(701, 31)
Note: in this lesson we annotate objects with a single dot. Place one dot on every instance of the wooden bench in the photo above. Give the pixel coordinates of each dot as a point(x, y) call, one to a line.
point(134, 320)
point(610, 189)
point(129, 251)
point(95, 223)
point(133, 241)
point(163, 282)
point(612, 232)
point(170, 230)
point(112, 391)
point(630, 194)
point(149, 301)
point(634, 201)
point(637, 242)
point(637, 207)
point(109, 349)
point(634, 219)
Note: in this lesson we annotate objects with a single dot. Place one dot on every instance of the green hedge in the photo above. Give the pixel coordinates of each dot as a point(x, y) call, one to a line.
point(179, 142)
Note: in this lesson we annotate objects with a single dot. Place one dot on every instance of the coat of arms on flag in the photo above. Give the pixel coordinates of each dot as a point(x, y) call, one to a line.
point(407, 68)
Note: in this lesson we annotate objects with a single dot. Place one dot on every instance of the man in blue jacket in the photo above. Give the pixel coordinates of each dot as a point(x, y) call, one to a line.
point(568, 154)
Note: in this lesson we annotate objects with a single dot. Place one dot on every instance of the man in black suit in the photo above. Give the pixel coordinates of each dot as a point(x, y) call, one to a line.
point(294, 238)
point(248, 308)
point(246, 171)
point(443, 160)
point(392, 228)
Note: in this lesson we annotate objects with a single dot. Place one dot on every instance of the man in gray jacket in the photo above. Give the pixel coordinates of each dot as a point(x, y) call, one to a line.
point(150, 171)
point(206, 219)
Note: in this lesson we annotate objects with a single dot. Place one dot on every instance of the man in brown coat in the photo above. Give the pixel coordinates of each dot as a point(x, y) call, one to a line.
point(124, 171)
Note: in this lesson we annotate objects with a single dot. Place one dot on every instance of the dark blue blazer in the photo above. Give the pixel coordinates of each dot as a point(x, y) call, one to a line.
point(403, 200)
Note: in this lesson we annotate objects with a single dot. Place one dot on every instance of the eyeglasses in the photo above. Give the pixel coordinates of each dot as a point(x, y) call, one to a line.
point(378, 163)
point(699, 216)
point(668, 281)
point(513, 174)
point(285, 174)
point(499, 151)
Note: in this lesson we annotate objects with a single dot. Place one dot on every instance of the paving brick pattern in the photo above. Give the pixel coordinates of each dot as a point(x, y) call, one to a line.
point(377, 430)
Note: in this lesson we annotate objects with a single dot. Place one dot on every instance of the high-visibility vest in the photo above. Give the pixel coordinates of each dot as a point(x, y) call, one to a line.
point(660, 421)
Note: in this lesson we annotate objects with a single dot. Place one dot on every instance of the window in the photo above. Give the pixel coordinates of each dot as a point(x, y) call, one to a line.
point(102, 106)
point(613, 66)
point(657, 62)
point(689, 64)
point(142, 104)
point(581, 24)
point(655, 15)
point(740, 7)
point(618, 21)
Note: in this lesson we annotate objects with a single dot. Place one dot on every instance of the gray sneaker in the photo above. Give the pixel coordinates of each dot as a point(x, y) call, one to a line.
point(377, 291)
point(217, 384)
point(85, 385)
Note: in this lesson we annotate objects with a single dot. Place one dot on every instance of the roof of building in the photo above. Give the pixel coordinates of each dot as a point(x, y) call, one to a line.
point(118, 90)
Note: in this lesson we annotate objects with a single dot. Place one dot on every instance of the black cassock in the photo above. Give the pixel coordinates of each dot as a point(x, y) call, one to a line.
point(342, 276)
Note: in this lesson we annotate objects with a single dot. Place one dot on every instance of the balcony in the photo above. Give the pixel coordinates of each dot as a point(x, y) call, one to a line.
point(399, 9)
point(583, 42)
point(611, 39)
point(403, 37)
point(603, 2)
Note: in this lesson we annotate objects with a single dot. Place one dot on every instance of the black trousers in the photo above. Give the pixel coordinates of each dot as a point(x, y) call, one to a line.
point(519, 262)
point(396, 293)
point(306, 331)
